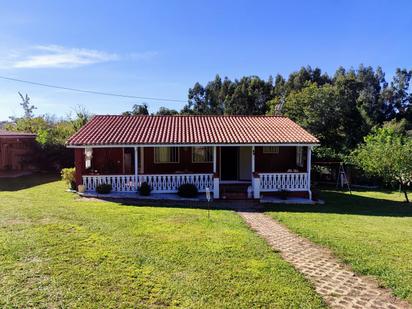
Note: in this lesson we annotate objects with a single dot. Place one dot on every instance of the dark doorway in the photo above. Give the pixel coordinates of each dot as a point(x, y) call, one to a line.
point(229, 163)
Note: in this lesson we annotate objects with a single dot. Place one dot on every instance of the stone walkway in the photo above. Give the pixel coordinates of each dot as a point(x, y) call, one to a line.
point(336, 283)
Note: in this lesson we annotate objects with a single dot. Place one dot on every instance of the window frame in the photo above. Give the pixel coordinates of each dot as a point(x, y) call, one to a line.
point(177, 149)
point(204, 147)
point(270, 151)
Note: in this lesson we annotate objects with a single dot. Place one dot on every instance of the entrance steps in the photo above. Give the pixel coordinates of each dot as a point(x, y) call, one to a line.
point(234, 191)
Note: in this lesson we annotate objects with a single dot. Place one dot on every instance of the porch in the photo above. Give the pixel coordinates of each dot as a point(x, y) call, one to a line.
point(256, 170)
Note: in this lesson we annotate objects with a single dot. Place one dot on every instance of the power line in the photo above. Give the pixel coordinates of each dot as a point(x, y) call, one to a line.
point(91, 91)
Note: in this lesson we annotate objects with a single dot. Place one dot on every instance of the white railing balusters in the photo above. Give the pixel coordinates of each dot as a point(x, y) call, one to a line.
point(120, 183)
point(171, 182)
point(270, 182)
point(160, 183)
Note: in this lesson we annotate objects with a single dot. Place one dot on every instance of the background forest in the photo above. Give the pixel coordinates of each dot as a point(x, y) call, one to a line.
point(341, 110)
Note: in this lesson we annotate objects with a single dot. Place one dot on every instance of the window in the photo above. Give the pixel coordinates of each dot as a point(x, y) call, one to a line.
point(202, 154)
point(166, 155)
point(299, 156)
point(270, 149)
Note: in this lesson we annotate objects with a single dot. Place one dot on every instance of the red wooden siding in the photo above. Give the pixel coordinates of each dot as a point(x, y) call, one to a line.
point(79, 164)
point(108, 160)
point(185, 165)
point(16, 153)
point(278, 163)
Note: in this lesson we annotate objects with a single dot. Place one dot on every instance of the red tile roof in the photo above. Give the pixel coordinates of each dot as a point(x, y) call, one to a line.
point(151, 130)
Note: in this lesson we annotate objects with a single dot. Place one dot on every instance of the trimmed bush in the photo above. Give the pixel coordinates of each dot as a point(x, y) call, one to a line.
point(69, 176)
point(104, 188)
point(187, 190)
point(145, 189)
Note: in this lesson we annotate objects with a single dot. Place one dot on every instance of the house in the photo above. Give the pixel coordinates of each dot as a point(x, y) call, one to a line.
point(229, 155)
point(16, 150)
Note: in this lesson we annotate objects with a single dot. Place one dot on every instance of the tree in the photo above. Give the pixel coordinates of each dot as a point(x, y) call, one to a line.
point(275, 105)
point(248, 96)
point(398, 96)
point(164, 111)
point(28, 109)
point(207, 100)
point(319, 110)
point(387, 154)
point(51, 134)
point(138, 109)
point(82, 117)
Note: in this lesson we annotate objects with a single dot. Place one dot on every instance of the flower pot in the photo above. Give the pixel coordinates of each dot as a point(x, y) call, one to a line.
point(80, 188)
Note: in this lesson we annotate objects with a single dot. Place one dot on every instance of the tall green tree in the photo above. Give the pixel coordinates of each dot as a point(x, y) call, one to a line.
point(137, 109)
point(398, 96)
point(164, 111)
point(319, 110)
point(248, 96)
point(207, 100)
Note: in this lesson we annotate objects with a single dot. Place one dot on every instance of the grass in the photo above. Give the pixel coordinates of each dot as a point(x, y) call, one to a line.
point(58, 251)
point(371, 231)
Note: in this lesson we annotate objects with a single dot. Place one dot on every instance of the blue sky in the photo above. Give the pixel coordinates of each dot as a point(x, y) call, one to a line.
point(161, 48)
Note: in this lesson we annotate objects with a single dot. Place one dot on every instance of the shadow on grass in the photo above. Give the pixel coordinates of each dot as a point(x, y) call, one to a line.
point(340, 203)
point(25, 182)
point(336, 203)
point(235, 205)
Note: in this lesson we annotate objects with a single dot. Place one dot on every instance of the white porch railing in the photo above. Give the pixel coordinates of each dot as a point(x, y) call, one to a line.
point(271, 182)
point(120, 183)
point(167, 183)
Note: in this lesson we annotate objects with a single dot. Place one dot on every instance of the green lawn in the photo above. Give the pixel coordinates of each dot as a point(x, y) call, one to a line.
point(371, 231)
point(57, 251)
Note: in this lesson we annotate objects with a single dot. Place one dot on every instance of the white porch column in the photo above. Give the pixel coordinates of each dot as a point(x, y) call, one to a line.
point(309, 166)
point(214, 159)
point(216, 189)
point(253, 160)
point(142, 160)
point(136, 165)
point(255, 178)
point(256, 186)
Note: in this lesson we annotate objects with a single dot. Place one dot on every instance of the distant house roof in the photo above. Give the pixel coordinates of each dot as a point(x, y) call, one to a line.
point(189, 130)
point(5, 133)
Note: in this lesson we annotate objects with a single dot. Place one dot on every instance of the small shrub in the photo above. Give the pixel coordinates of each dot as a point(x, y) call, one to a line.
point(283, 194)
point(187, 190)
point(145, 189)
point(69, 176)
point(104, 188)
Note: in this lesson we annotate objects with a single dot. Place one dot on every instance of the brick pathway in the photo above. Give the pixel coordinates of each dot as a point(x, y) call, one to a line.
point(336, 283)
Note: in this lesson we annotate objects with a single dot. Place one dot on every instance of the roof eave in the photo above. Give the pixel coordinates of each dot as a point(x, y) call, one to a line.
point(312, 144)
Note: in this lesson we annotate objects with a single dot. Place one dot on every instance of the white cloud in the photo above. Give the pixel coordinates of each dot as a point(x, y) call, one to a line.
point(55, 56)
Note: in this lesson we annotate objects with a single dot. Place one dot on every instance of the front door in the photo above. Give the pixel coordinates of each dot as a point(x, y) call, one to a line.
point(245, 163)
point(229, 157)
point(127, 163)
